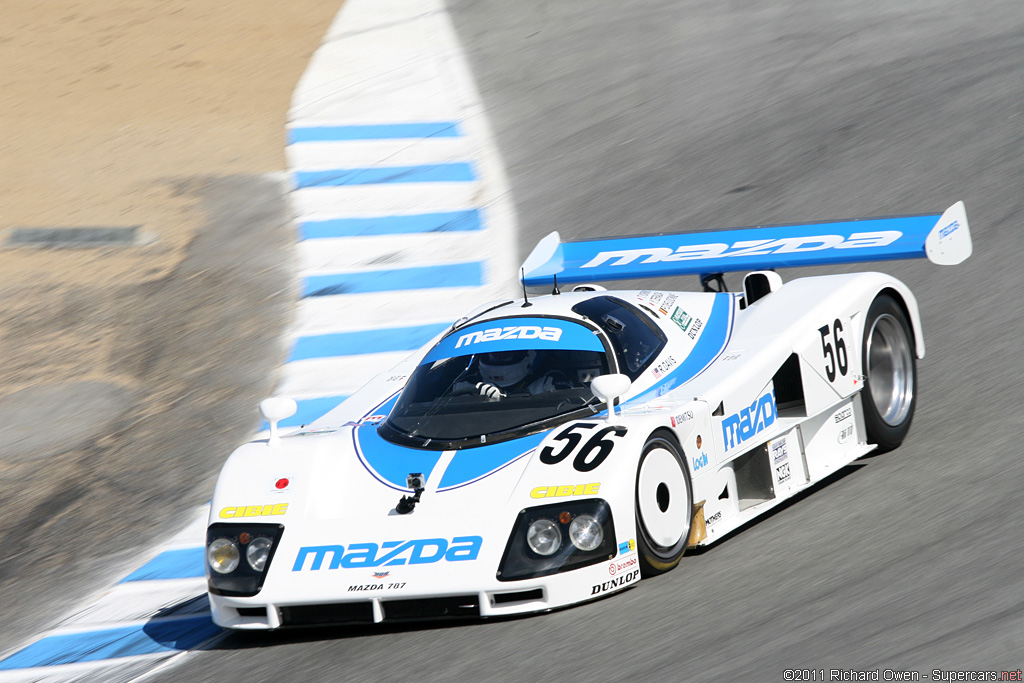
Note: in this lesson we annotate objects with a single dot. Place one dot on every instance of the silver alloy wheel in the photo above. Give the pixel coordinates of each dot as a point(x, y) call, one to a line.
point(890, 369)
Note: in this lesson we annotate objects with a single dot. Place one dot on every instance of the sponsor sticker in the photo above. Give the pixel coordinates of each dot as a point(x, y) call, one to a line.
point(622, 565)
point(779, 451)
point(389, 553)
point(627, 546)
point(948, 230)
point(668, 303)
point(713, 518)
point(617, 582)
point(682, 319)
point(281, 485)
point(700, 461)
point(845, 434)
point(747, 423)
point(270, 510)
point(682, 417)
point(695, 328)
point(565, 491)
point(746, 248)
point(514, 332)
point(782, 473)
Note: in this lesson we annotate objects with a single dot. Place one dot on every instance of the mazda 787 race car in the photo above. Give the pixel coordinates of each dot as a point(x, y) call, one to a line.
point(549, 450)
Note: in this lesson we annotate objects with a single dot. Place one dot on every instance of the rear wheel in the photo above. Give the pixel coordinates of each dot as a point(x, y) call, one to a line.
point(664, 505)
point(890, 371)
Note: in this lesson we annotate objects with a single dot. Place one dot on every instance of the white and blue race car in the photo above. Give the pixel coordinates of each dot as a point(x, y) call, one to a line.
point(549, 450)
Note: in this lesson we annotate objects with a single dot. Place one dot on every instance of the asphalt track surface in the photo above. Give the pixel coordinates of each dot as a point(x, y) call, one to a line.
point(655, 115)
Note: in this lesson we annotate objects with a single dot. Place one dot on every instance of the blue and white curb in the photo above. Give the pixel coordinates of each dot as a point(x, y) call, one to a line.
point(401, 201)
point(404, 224)
point(149, 618)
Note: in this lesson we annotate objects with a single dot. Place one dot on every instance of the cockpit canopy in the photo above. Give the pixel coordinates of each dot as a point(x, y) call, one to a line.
point(501, 379)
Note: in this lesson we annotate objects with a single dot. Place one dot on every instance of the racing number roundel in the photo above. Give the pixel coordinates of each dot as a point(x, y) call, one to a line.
point(585, 460)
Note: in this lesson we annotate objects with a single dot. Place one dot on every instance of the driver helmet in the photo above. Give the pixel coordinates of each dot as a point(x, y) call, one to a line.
point(505, 368)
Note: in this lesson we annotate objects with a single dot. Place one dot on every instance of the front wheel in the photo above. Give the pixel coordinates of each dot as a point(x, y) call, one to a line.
point(664, 505)
point(890, 371)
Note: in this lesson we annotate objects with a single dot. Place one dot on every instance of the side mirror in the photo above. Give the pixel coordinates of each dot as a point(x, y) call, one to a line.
point(274, 410)
point(608, 388)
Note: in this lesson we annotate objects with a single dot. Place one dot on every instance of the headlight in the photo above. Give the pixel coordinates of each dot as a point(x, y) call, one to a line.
point(585, 533)
point(227, 544)
point(257, 553)
point(543, 537)
point(558, 537)
point(222, 555)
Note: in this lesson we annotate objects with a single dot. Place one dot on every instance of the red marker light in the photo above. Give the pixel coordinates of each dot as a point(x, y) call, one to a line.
point(281, 483)
point(698, 441)
point(564, 517)
point(244, 537)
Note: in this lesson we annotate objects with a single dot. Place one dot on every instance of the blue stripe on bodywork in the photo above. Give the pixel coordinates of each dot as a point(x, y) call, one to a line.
point(447, 221)
point(421, 277)
point(390, 464)
point(184, 563)
point(473, 464)
point(709, 346)
point(427, 173)
point(126, 641)
point(379, 131)
point(365, 341)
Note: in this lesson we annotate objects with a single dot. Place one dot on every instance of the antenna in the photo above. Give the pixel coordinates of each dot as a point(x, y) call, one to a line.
point(555, 291)
point(522, 278)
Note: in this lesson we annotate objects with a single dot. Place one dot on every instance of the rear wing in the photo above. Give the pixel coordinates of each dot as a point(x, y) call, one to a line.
point(941, 238)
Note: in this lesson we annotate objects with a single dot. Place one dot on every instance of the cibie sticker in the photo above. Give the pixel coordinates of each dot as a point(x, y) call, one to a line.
point(254, 510)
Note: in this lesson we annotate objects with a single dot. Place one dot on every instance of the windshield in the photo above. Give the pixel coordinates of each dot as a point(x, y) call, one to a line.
point(496, 380)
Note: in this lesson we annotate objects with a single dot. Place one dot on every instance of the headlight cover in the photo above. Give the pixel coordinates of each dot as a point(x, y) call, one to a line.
point(585, 533)
point(222, 555)
point(585, 536)
point(227, 573)
point(258, 552)
point(544, 537)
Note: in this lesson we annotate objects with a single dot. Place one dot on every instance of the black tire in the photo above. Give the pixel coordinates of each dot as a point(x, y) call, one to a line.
point(664, 505)
point(890, 371)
